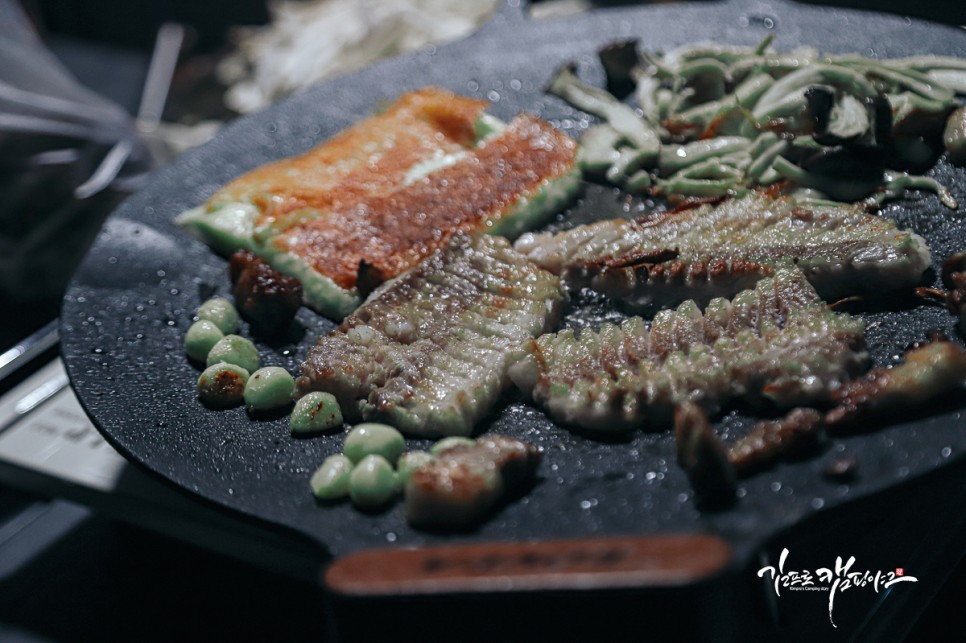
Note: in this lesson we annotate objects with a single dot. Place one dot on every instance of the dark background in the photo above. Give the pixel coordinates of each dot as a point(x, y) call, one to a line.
point(101, 580)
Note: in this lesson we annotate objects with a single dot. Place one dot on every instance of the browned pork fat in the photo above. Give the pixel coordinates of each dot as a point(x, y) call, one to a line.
point(927, 372)
point(954, 278)
point(717, 250)
point(778, 342)
point(266, 298)
point(703, 457)
point(463, 483)
point(429, 350)
point(797, 434)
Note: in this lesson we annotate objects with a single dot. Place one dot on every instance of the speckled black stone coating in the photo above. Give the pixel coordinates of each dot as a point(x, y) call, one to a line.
point(131, 302)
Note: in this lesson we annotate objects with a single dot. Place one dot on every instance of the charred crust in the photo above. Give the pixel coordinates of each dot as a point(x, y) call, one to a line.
point(702, 456)
point(368, 278)
point(797, 435)
point(629, 260)
point(265, 297)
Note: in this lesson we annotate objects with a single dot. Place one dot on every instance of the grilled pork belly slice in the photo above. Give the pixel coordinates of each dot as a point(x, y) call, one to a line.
point(463, 483)
point(428, 352)
point(779, 342)
point(717, 250)
point(928, 371)
point(390, 191)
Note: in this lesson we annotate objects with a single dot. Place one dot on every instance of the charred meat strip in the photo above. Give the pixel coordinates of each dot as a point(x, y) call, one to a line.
point(797, 434)
point(779, 341)
point(841, 470)
point(954, 278)
point(428, 352)
point(703, 457)
point(717, 250)
point(713, 469)
point(464, 482)
point(927, 372)
point(265, 297)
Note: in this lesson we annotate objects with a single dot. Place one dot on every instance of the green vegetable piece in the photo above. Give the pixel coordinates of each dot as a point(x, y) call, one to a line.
point(896, 183)
point(628, 161)
point(598, 148)
point(372, 482)
point(222, 385)
point(371, 438)
point(910, 79)
point(789, 89)
point(765, 43)
point(764, 161)
point(928, 63)
point(331, 480)
point(200, 338)
point(844, 189)
point(449, 443)
point(409, 462)
point(640, 181)
point(235, 349)
point(677, 157)
point(698, 187)
point(954, 79)
point(646, 92)
point(598, 102)
point(716, 169)
point(315, 411)
point(269, 388)
point(705, 77)
point(221, 313)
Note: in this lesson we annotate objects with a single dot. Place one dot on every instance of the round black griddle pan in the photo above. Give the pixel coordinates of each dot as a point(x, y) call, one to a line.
point(132, 300)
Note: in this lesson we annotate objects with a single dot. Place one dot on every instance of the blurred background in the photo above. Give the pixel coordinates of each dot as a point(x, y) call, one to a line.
point(94, 96)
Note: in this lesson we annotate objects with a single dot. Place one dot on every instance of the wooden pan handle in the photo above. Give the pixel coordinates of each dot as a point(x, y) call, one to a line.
point(585, 564)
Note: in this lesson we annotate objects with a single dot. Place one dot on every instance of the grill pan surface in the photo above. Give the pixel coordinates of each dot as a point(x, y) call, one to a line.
point(132, 299)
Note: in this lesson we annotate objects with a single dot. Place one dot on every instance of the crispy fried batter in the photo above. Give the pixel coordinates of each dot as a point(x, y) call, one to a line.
point(369, 158)
point(377, 199)
point(393, 231)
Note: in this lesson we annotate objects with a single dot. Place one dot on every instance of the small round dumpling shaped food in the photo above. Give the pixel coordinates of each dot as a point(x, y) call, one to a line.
point(221, 313)
point(331, 480)
point(222, 385)
point(314, 412)
point(235, 349)
point(372, 438)
point(269, 388)
point(201, 338)
point(372, 482)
